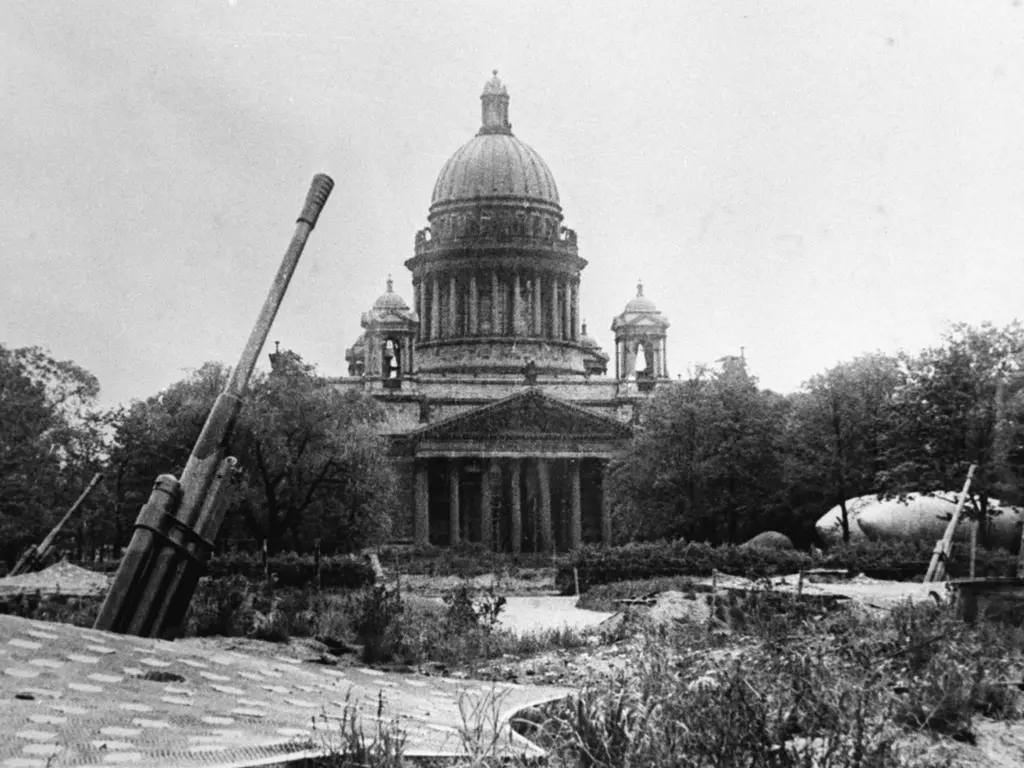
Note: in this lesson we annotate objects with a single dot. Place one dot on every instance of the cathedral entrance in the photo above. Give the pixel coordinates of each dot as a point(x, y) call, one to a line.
point(530, 504)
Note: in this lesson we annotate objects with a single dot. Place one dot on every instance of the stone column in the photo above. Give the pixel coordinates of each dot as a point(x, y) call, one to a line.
point(474, 300)
point(538, 318)
point(606, 507)
point(486, 506)
point(517, 306)
point(453, 306)
point(576, 310)
point(517, 507)
point(547, 532)
point(421, 525)
point(575, 506)
point(555, 332)
point(567, 331)
point(421, 309)
point(495, 300)
point(435, 308)
point(454, 524)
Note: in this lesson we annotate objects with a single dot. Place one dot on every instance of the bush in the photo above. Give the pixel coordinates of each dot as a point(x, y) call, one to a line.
point(291, 569)
point(465, 559)
point(81, 611)
point(224, 607)
point(377, 623)
point(892, 560)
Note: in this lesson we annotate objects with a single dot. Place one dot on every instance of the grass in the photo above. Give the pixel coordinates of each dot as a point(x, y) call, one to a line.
point(606, 597)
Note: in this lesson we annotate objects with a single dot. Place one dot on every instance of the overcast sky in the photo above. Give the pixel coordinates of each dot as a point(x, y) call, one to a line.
point(808, 180)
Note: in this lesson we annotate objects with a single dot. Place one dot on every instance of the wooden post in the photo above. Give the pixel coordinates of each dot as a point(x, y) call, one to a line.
point(937, 567)
point(974, 544)
point(714, 598)
point(316, 564)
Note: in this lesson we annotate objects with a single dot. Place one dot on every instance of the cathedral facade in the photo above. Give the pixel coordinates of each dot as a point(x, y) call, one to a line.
point(502, 414)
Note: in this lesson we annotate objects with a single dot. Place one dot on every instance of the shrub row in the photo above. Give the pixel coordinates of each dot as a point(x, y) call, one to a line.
point(466, 559)
point(292, 570)
point(903, 561)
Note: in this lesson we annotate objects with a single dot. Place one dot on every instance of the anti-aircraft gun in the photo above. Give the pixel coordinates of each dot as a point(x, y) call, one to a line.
point(36, 554)
point(176, 528)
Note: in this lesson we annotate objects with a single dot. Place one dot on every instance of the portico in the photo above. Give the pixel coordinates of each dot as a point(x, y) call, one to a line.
point(526, 473)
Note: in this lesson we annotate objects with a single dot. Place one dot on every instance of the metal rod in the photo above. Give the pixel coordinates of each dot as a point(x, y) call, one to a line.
point(937, 568)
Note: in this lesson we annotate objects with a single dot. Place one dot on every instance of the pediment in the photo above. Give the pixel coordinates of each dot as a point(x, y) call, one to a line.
point(530, 414)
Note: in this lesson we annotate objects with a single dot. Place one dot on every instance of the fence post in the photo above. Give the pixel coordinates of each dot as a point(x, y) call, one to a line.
point(316, 561)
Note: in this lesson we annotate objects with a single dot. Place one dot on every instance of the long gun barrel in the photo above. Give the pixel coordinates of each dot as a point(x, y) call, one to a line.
point(36, 554)
point(176, 529)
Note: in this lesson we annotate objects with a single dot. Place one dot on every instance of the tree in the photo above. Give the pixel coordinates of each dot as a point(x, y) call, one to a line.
point(836, 432)
point(51, 441)
point(314, 462)
point(155, 436)
point(318, 461)
point(705, 463)
point(960, 405)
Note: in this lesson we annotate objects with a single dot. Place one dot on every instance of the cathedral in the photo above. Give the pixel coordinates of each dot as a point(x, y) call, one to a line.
point(502, 414)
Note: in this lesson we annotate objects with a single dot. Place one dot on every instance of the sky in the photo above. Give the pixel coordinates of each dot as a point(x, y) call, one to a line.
point(809, 181)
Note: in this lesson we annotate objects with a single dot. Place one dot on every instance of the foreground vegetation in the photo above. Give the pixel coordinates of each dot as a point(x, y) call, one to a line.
point(768, 680)
point(787, 685)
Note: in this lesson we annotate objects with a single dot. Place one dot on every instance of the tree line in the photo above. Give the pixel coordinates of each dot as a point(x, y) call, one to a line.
point(719, 459)
point(715, 457)
point(316, 466)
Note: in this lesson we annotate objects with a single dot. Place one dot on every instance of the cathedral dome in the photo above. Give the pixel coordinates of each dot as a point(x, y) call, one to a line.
point(586, 339)
point(389, 299)
point(640, 303)
point(495, 166)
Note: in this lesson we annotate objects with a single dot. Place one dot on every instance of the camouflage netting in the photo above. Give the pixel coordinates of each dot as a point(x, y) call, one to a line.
point(918, 517)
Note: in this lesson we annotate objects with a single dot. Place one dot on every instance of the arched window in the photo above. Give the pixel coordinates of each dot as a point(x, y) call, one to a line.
point(391, 365)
